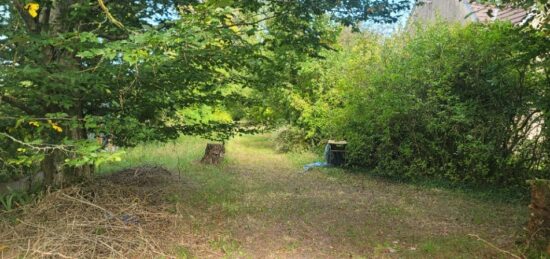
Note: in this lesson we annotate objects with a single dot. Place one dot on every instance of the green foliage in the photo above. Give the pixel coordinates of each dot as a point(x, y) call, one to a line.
point(539, 10)
point(289, 139)
point(450, 102)
point(150, 70)
point(14, 199)
point(7, 201)
point(183, 252)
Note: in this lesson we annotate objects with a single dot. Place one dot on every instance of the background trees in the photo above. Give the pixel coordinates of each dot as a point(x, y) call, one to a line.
point(141, 70)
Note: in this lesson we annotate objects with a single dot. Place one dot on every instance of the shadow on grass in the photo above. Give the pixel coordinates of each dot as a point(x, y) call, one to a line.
point(498, 194)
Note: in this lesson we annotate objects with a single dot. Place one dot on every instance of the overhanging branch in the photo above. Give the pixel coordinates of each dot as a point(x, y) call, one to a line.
point(109, 15)
point(30, 22)
point(37, 147)
point(12, 101)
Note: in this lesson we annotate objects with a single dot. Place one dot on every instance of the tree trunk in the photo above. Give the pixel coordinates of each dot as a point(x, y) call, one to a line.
point(213, 154)
point(53, 21)
point(51, 168)
point(59, 175)
point(56, 173)
point(539, 221)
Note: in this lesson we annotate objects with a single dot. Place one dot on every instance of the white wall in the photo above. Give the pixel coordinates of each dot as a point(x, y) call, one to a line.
point(447, 10)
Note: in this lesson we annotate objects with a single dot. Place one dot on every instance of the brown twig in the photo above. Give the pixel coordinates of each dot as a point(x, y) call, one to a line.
point(93, 205)
point(41, 147)
point(494, 246)
point(43, 254)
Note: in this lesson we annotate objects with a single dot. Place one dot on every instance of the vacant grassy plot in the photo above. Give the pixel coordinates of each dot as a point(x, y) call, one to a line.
point(261, 204)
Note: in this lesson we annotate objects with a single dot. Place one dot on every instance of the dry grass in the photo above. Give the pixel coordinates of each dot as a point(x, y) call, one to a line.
point(123, 215)
point(259, 204)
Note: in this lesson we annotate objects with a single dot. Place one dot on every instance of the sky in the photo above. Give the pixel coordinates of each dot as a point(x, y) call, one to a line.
point(387, 29)
point(390, 28)
point(382, 28)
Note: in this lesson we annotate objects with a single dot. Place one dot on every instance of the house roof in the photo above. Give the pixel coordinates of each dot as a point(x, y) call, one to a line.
point(465, 11)
point(487, 13)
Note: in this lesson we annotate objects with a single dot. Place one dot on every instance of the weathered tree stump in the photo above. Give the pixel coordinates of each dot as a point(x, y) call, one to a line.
point(213, 154)
point(539, 221)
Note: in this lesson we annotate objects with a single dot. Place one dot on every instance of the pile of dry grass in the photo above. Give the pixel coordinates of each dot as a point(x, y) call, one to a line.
point(121, 215)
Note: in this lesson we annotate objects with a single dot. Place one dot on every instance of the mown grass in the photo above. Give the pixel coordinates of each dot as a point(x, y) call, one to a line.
point(260, 203)
point(213, 185)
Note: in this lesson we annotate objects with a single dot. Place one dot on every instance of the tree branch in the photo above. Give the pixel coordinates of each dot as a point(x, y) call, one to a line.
point(40, 147)
point(114, 37)
point(12, 101)
point(109, 15)
point(32, 24)
point(250, 23)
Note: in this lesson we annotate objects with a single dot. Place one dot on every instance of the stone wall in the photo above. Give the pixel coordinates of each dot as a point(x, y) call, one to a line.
point(24, 184)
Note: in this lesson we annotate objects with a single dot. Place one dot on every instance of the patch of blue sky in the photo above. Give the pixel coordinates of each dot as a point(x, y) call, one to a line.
point(379, 27)
point(5, 14)
point(170, 14)
point(390, 28)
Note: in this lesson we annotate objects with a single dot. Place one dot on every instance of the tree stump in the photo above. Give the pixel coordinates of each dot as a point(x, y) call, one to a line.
point(539, 221)
point(213, 154)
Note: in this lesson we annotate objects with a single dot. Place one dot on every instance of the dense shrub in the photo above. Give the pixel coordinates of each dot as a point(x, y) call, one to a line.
point(459, 103)
point(288, 138)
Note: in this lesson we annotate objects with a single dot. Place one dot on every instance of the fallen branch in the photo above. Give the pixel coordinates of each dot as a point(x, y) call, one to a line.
point(93, 205)
point(48, 254)
point(494, 246)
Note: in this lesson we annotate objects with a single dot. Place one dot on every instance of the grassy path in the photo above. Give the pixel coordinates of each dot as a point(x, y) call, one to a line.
point(284, 212)
point(261, 204)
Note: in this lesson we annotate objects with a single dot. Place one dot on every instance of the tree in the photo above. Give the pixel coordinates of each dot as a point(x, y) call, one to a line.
point(130, 69)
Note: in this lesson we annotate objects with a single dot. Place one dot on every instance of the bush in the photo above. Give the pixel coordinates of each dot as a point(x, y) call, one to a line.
point(290, 139)
point(450, 102)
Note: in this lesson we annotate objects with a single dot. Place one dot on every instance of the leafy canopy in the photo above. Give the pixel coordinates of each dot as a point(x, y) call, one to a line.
point(142, 70)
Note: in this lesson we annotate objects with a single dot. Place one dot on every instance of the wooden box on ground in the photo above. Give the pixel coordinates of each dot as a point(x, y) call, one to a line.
point(335, 152)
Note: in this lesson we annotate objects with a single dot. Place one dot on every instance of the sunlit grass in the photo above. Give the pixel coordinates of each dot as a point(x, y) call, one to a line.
point(262, 203)
point(213, 185)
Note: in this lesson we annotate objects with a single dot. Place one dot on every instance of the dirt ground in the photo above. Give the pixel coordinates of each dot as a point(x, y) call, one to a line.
point(259, 204)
